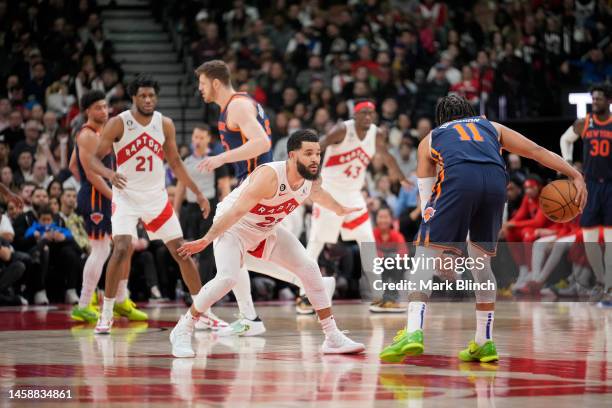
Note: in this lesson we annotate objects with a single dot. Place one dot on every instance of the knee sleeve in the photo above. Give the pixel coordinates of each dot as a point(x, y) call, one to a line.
point(423, 269)
point(310, 275)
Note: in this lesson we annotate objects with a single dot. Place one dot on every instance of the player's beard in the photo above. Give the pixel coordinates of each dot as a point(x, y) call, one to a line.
point(305, 172)
point(143, 113)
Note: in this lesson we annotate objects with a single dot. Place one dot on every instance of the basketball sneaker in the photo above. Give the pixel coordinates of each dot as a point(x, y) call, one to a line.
point(303, 306)
point(338, 343)
point(597, 293)
point(404, 344)
point(485, 353)
point(387, 306)
point(606, 301)
point(243, 327)
point(127, 308)
point(209, 321)
point(180, 337)
point(104, 325)
point(86, 314)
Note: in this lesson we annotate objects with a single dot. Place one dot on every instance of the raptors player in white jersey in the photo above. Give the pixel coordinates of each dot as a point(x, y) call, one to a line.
point(349, 147)
point(246, 224)
point(142, 138)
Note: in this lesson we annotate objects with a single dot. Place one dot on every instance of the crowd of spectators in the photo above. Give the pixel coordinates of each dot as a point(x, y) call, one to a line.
point(306, 62)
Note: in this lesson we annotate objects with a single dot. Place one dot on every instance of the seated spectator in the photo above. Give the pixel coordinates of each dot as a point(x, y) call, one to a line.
point(520, 230)
point(30, 143)
point(45, 228)
point(55, 189)
point(14, 133)
point(40, 174)
point(408, 211)
point(405, 156)
point(11, 272)
point(5, 152)
point(24, 169)
point(389, 242)
point(383, 191)
point(73, 221)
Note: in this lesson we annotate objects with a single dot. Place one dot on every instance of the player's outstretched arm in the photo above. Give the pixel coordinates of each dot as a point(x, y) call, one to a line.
point(324, 199)
point(244, 116)
point(335, 135)
point(176, 164)
point(111, 133)
point(262, 185)
point(390, 162)
point(88, 143)
point(514, 142)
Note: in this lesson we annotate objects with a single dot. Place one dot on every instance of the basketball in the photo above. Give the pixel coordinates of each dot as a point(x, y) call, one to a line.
point(557, 201)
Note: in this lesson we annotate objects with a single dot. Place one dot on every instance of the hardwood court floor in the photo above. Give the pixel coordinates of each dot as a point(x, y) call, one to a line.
point(552, 355)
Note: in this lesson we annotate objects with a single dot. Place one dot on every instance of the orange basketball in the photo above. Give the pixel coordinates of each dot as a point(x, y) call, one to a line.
point(557, 201)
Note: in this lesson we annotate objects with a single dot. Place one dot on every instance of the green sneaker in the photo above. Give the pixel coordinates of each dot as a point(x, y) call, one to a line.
point(128, 309)
point(404, 344)
point(86, 314)
point(485, 353)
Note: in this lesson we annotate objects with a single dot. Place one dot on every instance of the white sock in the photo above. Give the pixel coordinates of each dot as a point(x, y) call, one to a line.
point(484, 326)
point(100, 249)
point(122, 291)
point(416, 316)
point(328, 325)
point(107, 308)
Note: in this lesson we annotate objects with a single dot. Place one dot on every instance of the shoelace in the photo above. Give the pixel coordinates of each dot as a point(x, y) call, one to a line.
point(399, 335)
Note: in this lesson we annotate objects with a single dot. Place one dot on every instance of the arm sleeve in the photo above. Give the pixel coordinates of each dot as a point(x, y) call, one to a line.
point(567, 143)
point(425, 186)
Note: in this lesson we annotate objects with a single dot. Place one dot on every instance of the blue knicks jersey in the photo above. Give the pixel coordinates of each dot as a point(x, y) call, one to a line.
point(471, 140)
point(233, 138)
point(596, 139)
point(87, 188)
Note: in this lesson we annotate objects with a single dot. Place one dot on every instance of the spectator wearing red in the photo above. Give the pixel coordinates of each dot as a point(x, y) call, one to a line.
point(468, 87)
point(522, 227)
point(389, 242)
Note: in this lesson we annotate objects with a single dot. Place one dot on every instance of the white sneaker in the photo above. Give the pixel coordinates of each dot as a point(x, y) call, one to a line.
point(40, 298)
point(180, 337)
point(71, 297)
point(338, 343)
point(522, 279)
point(330, 286)
point(209, 321)
point(244, 327)
point(104, 325)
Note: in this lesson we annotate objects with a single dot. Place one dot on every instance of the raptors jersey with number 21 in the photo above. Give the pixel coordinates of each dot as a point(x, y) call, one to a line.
point(345, 163)
point(140, 154)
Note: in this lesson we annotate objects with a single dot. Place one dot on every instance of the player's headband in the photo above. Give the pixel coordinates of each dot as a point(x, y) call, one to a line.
point(364, 105)
point(531, 183)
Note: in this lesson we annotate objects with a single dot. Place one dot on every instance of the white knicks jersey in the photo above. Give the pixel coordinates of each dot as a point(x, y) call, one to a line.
point(345, 163)
point(140, 155)
point(260, 221)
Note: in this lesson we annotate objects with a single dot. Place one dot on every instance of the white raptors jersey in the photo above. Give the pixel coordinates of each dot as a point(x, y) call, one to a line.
point(140, 156)
point(345, 163)
point(260, 221)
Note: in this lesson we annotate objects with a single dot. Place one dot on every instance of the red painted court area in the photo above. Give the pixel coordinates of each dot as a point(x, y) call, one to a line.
point(552, 354)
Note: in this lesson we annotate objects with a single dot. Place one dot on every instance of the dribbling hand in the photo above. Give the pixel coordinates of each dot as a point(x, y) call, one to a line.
point(193, 247)
point(581, 192)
